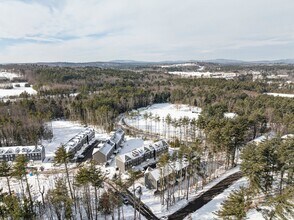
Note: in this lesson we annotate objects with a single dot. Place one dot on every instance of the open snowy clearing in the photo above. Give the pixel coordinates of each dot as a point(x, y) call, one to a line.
point(16, 91)
point(205, 74)
point(8, 75)
point(157, 114)
point(281, 95)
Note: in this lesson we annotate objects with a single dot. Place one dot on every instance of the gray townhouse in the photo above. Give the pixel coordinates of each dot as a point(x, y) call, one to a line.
point(76, 143)
point(172, 173)
point(31, 152)
point(106, 151)
point(142, 156)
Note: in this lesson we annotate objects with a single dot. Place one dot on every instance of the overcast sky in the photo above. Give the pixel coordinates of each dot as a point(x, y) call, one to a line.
point(145, 30)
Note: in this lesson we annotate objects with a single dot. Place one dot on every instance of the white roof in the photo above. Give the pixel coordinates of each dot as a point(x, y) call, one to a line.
point(139, 152)
point(168, 169)
point(110, 144)
point(117, 136)
point(95, 150)
point(107, 147)
point(72, 143)
point(20, 150)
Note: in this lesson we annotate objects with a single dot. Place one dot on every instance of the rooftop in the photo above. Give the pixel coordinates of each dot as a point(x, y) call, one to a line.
point(110, 143)
point(20, 150)
point(71, 144)
point(168, 169)
point(139, 152)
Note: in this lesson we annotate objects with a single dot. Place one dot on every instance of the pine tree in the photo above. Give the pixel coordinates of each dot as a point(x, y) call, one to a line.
point(19, 170)
point(63, 157)
point(282, 204)
point(85, 177)
point(251, 166)
point(105, 204)
point(60, 200)
point(6, 171)
point(235, 206)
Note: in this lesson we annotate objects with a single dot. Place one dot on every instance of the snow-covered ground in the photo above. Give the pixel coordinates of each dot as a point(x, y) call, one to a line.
point(159, 112)
point(47, 180)
point(16, 91)
point(8, 75)
point(281, 95)
point(154, 203)
point(205, 74)
point(207, 211)
point(179, 65)
point(63, 131)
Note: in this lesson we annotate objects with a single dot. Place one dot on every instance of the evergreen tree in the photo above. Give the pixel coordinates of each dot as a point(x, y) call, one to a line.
point(63, 157)
point(6, 171)
point(105, 204)
point(19, 171)
point(235, 206)
point(60, 200)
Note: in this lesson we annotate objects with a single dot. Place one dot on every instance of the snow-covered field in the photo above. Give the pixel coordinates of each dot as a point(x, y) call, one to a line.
point(204, 74)
point(179, 65)
point(8, 75)
point(16, 91)
point(281, 95)
point(159, 112)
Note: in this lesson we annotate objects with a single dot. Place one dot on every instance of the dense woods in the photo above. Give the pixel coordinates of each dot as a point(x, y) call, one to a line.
point(269, 169)
point(98, 96)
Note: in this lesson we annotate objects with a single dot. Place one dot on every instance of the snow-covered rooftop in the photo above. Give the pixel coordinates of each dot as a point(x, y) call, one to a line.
point(139, 152)
point(63, 131)
point(168, 169)
point(20, 150)
point(117, 136)
point(110, 144)
point(72, 143)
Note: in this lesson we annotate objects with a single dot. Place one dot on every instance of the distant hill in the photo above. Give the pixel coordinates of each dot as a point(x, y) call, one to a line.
point(134, 63)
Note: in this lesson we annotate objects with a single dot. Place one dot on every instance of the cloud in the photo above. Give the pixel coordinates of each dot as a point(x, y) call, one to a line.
point(91, 30)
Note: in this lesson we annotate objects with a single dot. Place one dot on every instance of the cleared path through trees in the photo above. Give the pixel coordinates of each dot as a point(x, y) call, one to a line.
point(205, 197)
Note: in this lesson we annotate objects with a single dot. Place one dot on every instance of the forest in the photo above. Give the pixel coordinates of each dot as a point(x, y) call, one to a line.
point(97, 96)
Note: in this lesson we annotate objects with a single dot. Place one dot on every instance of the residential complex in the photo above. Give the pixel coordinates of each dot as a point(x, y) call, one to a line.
point(141, 156)
point(171, 173)
point(76, 143)
point(105, 153)
point(31, 152)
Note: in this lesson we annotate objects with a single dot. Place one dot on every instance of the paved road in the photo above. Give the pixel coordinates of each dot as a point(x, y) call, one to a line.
point(88, 152)
point(205, 197)
point(142, 208)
